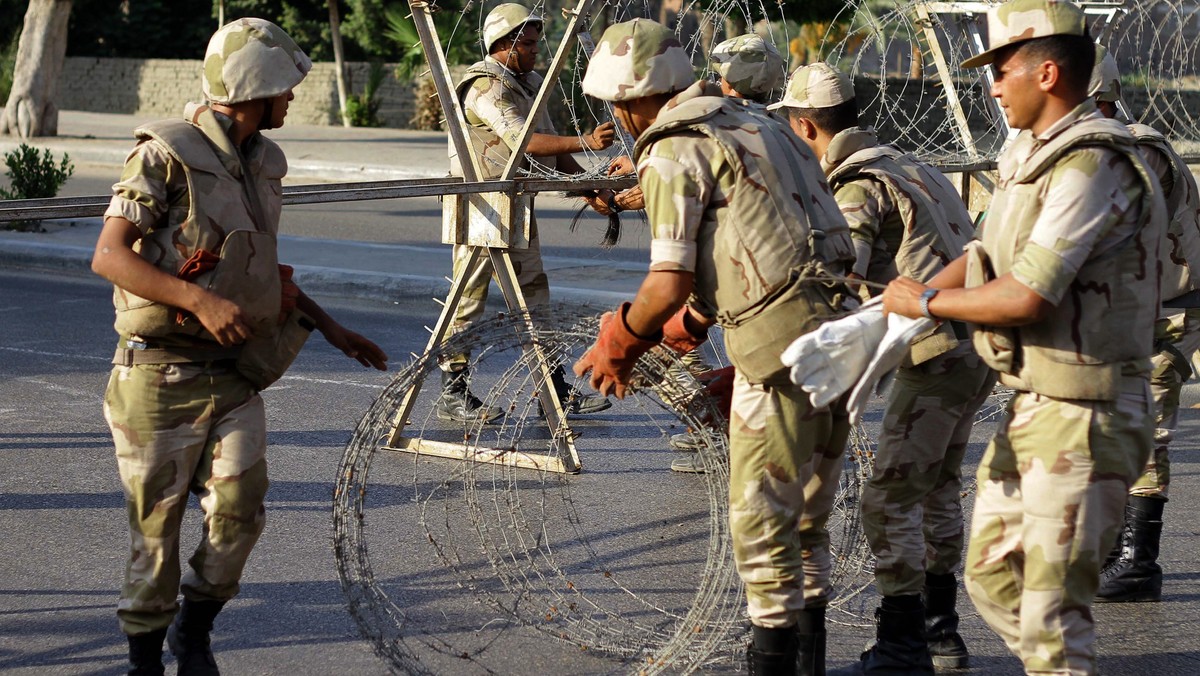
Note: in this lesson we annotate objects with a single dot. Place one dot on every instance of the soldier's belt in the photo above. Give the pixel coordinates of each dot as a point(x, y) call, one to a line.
point(182, 355)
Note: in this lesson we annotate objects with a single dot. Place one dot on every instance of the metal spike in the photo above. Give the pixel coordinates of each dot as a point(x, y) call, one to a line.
point(429, 330)
point(448, 279)
point(439, 301)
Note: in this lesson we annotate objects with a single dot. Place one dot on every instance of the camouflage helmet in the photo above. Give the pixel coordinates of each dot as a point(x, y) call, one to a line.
point(636, 59)
point(751, 65)
point(1020, 20)
point(251, 59)
point(504, 19)
point(819, 85)
point(1105, 84)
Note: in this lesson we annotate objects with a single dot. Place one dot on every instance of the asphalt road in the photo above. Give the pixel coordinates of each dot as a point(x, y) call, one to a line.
point(629, 537)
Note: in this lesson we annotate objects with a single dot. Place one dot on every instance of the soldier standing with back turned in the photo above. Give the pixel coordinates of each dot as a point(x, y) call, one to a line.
point(1063, 291)
point(905, 220)
point(1131, 572)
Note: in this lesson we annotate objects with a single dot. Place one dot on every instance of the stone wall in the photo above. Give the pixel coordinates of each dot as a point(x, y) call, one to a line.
point(160, 87)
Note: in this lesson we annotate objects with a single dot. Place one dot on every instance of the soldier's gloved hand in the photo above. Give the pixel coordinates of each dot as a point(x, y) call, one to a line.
point(828, 361)
point(677, 337)
point(900, 333)
point(611, 359)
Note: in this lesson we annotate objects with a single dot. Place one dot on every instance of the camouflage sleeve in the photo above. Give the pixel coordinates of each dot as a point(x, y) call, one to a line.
point(1090, 198)
point(865, 205)
point(488, 101)
point(678, 182)
point(150, 183)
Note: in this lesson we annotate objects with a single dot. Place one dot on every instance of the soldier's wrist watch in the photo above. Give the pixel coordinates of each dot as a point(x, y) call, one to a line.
point(927, 296)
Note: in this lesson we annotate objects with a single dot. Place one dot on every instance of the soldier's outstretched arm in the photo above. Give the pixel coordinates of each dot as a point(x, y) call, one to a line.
point(541, 145)
point(116, 261)
point(350, 343)
point(1004, 301)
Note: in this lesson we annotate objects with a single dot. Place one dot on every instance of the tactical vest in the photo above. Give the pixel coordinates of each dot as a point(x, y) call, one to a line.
point(1180, 252)
point(770, 287)
point(486, 143)
point(219, 218)
point(1079, 352)
point(935, 221)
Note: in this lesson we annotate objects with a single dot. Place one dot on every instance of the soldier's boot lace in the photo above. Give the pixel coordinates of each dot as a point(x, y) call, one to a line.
point(456, 403)
point(189, 640)
point(772, 652)
point(946, 647)
point(810, 630)
point(145, 653)
point(900, 648)
point(1136, 575)
point(572, 400)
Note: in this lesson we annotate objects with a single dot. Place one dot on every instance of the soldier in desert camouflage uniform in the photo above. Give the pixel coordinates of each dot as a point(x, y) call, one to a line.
point(497, 96)
point(745, 256)
point(751, 71)
point(905, 220)
point(195, 276)
point(1062, 290)
point(1132, 572)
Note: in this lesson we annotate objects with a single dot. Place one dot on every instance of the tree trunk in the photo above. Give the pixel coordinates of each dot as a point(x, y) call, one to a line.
point(30, 110)
point(335, 31)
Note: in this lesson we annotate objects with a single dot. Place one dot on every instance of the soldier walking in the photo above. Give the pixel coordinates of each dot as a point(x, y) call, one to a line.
point(497, 96)
point(1062, 289)
point(906, 220)
point(745, 256)
point(1131, 572)
point(189, 245)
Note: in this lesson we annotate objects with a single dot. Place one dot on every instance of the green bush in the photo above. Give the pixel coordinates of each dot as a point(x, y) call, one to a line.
point(8, 62)
point(362, 109)
point(33, 174)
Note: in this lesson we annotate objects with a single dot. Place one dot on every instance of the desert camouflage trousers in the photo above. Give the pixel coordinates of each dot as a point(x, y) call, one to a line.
point(180, 428)
point(785, 462)
point(1172, 368)
point(531, 277)
point(1050, 503)
point(912, 505)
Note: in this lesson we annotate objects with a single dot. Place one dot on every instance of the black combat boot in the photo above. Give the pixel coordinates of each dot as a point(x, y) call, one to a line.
point(572, 400)
point(810, 632)
point(900, 648)
point(188, 638)
point(1136, 575)
point(457, 404)
point(773, 652)
point(941, 622)
point(145, 653)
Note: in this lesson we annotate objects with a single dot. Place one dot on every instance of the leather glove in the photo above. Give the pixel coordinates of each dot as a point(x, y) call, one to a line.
point(718, 385)
point(827, 361)
point(612, 358)
point(901, 331)
point(677, 337)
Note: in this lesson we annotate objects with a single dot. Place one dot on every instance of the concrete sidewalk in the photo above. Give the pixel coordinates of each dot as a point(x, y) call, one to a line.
point(329, 267)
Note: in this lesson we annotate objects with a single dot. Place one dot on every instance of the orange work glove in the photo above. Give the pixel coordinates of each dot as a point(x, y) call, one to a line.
point(614, 354)
point(290, 293)
point(718, 385)
point(677, 337)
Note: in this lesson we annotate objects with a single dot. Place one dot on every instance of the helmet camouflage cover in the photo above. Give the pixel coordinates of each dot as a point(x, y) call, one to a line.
point(636, 59)
point(251, 59)
point(504, 19)
point(750, 64)
point(1105, 84)
point(818, 85)
point(1017, 21)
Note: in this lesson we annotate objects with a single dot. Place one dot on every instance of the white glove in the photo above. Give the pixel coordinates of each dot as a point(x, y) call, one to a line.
point(827, 361)
point(901, 331)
